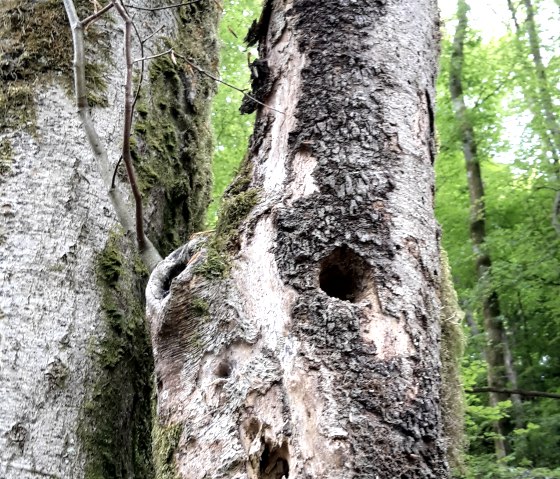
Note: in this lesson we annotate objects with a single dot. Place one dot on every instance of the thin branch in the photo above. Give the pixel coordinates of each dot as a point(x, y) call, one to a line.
point(127, 128)
point(115, 172)
point(520, 392)
point(156, 55)
point(142, 42)
point(92, 18)
point(154, 9)
point(216, 79)
point(545, 187)
point(149, 254)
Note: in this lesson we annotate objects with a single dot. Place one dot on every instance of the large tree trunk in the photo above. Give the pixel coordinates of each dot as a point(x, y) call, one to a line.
point(496, 350)
point(300, 339)
point(75, 361)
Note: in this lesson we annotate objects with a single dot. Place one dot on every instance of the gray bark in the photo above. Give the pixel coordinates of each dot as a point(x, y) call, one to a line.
point(301, 340)
point(62, 309)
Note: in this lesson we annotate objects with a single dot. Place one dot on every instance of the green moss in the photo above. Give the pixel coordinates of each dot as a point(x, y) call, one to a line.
point(36, 46)
point(226, 237)
point(199, 306)
point(6, 158)
point(452, 345)
point(173, 141)
point(165, 440)
point(116, 418)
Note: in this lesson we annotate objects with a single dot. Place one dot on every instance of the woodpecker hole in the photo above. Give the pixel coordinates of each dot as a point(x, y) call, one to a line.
point(223, 370)
point(344, 275)
point(274, 462)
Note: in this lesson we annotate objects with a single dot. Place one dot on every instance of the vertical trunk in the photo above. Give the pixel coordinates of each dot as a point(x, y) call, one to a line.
point(301, 338)
point(496, 346)
point(75, 362)
point(540, 100)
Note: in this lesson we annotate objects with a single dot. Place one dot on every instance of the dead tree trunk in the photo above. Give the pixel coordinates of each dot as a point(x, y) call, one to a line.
point(300, 339)
point(75, 362)
point(496, 351)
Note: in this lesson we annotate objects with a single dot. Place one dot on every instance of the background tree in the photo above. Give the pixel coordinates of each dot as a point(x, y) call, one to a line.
point(519, 238)
point(496, 351)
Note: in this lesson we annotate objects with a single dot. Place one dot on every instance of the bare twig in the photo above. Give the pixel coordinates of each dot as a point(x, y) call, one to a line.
point(115, 172)
point(154, 9)
point(127, 128)
point(520, 392)
point(142, 42)
point(151, 57)
point(216, 79)
point(92, 18)
point(148, 253)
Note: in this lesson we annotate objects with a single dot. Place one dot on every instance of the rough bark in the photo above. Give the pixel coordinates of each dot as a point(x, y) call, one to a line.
point(75, 363)
point(496, 348)
point(301, 338)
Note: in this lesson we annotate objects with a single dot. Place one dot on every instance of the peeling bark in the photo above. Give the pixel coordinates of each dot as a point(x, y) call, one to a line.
point(304, 343)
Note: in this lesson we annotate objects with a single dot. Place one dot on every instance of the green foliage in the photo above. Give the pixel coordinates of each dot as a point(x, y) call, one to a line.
point(500, 90)
point(231, 130)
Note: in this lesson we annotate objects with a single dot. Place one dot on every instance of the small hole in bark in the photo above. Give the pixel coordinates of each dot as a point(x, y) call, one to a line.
point(274, 462)
point(159, 385)
point(173, 272)
point(223, 370)
point(343, 275)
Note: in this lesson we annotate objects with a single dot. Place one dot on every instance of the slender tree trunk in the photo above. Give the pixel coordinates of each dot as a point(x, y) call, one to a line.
point(496, 348)
point(540, 100)
point(301, 338)
point(75, 361)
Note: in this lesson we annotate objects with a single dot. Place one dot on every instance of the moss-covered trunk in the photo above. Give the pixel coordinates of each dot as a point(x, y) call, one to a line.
point(76, 366)
point(301, 339)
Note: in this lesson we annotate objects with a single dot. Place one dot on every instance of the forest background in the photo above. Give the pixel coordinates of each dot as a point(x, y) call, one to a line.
point(517, 147)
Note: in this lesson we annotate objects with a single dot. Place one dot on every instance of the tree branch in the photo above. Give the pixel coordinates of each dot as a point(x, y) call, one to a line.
point(154, 9)
point(216, 79)
point(96, 15)
point(127, 128)
point(149, 254)
point(520, 392)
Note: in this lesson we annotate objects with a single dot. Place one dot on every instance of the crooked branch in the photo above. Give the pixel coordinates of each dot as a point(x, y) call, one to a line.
point(165, 7)
point(520, 392)
point(148, 253)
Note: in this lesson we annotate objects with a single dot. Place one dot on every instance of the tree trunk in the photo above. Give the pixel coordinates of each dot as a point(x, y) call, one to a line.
point(496, 350)
point(75, 360)
point(300, 339)
point(540, 101)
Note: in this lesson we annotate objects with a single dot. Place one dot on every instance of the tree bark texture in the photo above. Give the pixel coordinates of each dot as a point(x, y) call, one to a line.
point(496, 350)
point(301, 338)
point(75, 361)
